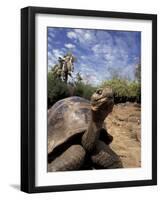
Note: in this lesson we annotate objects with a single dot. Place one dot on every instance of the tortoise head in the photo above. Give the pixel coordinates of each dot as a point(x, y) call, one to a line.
point(102, 101)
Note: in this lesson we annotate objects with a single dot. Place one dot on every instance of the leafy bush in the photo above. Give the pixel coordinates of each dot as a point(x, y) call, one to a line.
point(84, 90)
point(134, 89)
point(124, 90)
point(119, 86)
point(56, 89)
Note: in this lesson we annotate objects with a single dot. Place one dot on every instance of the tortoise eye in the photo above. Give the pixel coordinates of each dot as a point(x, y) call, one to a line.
point(99, 91)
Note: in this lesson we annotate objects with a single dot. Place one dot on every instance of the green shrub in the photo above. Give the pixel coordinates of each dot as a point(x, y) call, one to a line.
point(84, 90)
point(56, 89)
point(119, 86)
point(124, 90)
point(134, 89)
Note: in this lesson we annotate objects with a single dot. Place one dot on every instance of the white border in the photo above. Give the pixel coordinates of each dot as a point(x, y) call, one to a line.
point(94, 176)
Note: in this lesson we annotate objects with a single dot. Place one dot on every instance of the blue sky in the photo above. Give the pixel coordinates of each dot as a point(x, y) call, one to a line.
point(99, 53)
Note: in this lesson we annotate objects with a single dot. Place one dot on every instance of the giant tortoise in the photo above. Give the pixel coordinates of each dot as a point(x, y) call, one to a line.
point(77, 136)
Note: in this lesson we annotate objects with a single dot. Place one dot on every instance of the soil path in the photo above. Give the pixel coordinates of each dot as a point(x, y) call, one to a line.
point(124, 125)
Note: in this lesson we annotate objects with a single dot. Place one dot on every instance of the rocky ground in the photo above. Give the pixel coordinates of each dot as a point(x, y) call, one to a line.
point(124, 124)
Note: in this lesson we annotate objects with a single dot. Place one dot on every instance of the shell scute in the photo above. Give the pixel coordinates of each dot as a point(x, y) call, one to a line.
point(67, 118)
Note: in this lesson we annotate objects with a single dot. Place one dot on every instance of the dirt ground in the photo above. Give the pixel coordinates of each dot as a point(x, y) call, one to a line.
point(124, 125)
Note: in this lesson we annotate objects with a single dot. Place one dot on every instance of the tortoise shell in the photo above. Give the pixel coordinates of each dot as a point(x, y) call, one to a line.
point(67, 118)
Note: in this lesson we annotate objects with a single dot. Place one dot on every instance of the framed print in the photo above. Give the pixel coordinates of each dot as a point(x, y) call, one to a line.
point(88, 99)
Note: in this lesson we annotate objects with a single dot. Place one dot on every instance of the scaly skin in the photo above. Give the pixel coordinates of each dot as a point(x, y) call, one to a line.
point(104, 157)
point(90, 137)
point(71, 159)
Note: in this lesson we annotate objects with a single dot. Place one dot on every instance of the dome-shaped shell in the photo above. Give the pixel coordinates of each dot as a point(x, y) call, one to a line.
point(66, 118)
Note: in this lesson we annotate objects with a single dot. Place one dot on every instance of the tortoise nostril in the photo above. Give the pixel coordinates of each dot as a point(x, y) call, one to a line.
point(110, 97)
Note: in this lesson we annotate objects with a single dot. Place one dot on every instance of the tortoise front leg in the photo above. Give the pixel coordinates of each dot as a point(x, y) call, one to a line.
point(104, 157)
point(71, 159)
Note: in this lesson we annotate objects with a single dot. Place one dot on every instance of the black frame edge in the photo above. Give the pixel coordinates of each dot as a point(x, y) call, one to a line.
point(24, 100)
point(93, 186)
point(154, 99)
point(92, 13)
point(27, 100)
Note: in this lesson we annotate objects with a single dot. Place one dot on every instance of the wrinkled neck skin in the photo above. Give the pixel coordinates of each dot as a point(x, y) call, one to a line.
point(92, 134)
point(98, 116)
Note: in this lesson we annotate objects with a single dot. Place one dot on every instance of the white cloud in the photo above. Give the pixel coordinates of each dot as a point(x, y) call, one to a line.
point(49, 46)
point(79, 31)
point(69, 46)
point(71, 35)
point(53, 56)
point(50, 40)
point(83, 36)
point(89, 74)
point(57, 52)
point(87, 36)
point(51, 34)
point(113, 55)
point(83, 57)
point(101, 49)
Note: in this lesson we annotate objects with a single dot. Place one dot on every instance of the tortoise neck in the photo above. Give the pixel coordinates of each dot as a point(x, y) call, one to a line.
point(97, 118)
point(91, 136)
